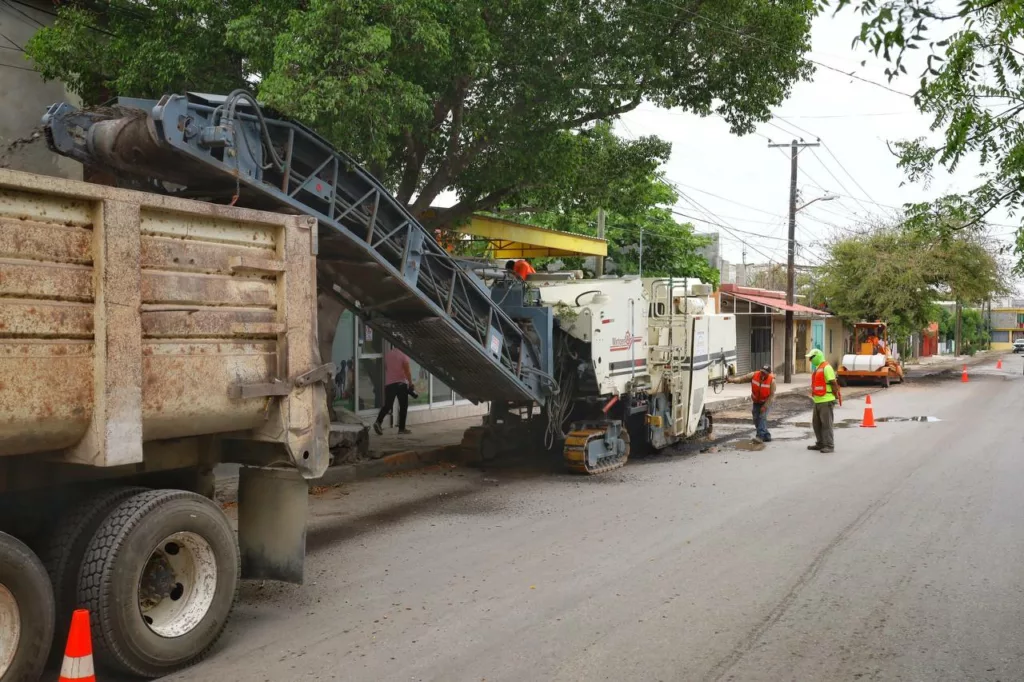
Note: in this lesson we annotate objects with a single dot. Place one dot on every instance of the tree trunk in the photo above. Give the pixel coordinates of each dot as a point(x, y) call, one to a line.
point(958, 333)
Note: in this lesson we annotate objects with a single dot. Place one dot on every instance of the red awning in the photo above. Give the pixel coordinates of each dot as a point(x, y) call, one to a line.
point(775, 303)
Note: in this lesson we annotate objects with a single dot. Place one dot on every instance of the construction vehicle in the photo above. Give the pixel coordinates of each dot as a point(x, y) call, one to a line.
point(144, 338)
point(633, 361)
point(873, 361)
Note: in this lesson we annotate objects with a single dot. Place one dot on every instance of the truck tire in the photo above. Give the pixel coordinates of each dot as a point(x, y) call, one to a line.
point(159, 578)
point(68, 538)
point(26, 613)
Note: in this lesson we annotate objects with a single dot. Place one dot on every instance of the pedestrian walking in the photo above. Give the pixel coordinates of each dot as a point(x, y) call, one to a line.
point(762, 393)
point(824, 392)
point(397, 386)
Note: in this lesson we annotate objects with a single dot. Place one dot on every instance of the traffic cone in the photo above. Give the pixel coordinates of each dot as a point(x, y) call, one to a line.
point(963, 377)
point(999, 363)
point(77, 665)
point(868, 421)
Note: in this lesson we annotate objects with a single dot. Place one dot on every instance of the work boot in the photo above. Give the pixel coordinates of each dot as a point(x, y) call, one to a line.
point(814, 447)
point(404, 432)
point(377, 429)
point(827, 451)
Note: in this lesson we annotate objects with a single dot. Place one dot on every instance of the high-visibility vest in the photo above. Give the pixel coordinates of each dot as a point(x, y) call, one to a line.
point(523, 269)
point(819, 386)
point(761, 386)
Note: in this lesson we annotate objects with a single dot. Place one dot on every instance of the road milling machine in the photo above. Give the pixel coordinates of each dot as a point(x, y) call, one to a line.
point(591, 367)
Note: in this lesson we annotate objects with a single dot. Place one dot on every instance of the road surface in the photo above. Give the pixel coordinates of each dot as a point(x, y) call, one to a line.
point(899, 557)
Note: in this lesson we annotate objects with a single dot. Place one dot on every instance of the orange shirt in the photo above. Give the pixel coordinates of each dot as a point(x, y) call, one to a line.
point(523, 268)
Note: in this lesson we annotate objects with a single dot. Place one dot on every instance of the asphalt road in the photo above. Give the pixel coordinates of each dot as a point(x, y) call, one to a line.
point(899, 557)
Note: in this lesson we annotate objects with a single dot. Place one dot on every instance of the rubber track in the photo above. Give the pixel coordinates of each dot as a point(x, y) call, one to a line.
point(576, 444)
point(74, 522)
point(93, 588)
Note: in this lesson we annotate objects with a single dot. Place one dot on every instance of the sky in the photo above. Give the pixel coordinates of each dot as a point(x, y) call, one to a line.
point(853, 120)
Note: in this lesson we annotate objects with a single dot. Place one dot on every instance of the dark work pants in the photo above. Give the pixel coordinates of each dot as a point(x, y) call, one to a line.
point(822, 422)
point(761, 422)
point(391, 392)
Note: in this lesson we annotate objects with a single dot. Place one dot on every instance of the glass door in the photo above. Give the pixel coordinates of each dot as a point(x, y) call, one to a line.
point(370, 369)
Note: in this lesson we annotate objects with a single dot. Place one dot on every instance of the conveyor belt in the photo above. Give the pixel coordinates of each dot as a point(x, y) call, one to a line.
point(372, 251)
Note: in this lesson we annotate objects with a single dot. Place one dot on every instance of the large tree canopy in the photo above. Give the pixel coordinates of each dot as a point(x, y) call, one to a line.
point(482, 98)
point(896, 273)
point(971, 82)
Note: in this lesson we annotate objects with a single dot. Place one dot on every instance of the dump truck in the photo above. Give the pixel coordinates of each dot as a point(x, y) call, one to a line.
point(872, 360)
point(145, 339)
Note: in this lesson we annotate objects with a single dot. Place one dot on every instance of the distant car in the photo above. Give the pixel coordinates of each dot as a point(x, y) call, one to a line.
point(1018, 346)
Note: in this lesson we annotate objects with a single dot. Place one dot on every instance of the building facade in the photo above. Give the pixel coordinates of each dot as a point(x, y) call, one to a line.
point(26, 96)
point(1006, 322)
point(761, 329)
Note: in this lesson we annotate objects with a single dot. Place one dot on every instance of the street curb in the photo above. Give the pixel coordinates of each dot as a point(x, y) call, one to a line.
point(374, 468)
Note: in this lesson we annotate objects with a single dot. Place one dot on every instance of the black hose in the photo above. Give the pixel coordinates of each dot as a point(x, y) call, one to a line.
point(592, 291)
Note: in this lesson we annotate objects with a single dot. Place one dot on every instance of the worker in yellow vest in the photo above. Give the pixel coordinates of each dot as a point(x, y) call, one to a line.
point(762, 393)
point(824, 393)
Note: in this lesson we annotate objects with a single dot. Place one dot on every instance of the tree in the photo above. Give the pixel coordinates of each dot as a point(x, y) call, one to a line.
point(971, 83)
point(670, 249)
point(491, 101)
point(896, 273)
point(771, 276)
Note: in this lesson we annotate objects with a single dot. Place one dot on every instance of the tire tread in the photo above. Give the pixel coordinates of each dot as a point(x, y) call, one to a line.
point(94, 578)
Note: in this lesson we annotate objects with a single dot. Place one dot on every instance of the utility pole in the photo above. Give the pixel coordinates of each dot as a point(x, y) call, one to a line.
point(599, 260)
point(794, 148)
point(959, 328)
point(641, 252)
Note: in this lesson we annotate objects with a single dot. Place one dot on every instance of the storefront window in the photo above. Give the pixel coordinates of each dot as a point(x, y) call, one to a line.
point(343, 355)
point(442, 394)
point(421, 382)
point(370, 377)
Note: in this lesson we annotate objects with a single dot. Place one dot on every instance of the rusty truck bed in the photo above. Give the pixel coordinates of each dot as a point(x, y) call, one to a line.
point(128, 319)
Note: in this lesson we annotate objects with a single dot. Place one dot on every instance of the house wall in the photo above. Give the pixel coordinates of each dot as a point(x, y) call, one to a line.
point(778, 343)
point(26, 97)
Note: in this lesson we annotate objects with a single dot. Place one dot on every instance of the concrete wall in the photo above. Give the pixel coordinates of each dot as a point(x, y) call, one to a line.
point(25, 96)
point(1004, 319)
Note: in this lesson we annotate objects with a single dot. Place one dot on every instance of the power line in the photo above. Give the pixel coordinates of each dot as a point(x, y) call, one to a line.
point(702, 209)
point(848, 173)
point(863, 115)
point(736, 229)
point(802, 130)
point(19, 68)
point(718, 196)
point(840, 182)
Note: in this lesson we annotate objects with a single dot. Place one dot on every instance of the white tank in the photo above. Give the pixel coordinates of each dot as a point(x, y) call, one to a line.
point(864, 363)
point(690, 305)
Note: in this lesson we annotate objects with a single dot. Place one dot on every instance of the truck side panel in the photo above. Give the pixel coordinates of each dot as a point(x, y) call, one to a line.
point(127, 318)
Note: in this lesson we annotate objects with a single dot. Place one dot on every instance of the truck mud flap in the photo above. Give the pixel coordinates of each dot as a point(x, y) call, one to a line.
point(273, 505)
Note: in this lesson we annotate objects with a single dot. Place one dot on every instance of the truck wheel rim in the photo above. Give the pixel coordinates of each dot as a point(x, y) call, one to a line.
point(10, 629)
point(178, 584)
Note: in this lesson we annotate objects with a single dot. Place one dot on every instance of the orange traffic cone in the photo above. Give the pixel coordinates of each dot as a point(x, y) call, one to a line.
point(963, 377)
point(77, 665)
point(999, 363)
point(869, 414)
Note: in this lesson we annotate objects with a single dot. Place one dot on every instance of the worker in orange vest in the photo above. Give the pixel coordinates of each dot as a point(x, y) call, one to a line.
point(762, 393)
point(521, 268)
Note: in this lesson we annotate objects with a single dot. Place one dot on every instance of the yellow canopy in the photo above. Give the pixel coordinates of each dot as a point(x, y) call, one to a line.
point(508, 239)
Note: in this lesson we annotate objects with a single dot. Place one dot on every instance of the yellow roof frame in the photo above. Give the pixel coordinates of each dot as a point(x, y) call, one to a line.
point(508, 239)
